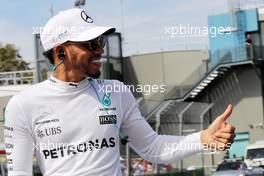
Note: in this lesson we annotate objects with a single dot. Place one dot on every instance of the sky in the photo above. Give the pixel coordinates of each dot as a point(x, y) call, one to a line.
point(143, 23)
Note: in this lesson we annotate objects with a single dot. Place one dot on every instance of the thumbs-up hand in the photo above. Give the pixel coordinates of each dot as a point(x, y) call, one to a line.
point(219, 135)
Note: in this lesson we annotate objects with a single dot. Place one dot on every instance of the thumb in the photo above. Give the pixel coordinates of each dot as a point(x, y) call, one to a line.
point(223, 117)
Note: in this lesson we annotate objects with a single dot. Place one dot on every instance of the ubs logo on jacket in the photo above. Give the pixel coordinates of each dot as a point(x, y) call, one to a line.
point(49, 131)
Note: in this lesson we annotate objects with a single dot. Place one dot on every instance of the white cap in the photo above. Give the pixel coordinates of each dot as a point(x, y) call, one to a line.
point(71, 25)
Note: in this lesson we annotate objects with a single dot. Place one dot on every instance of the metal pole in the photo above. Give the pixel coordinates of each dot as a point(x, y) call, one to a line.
point(157, 115)
point(163, 74)
point(107, 65)
point(201, 127)
point(121, 55)
point(37, 76)
point(210, 121)
point(181, 125)
point(51, 11)
point(128, 160)
point(2, 168)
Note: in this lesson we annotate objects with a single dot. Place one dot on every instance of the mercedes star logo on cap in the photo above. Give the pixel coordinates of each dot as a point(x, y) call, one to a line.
point(86, 18)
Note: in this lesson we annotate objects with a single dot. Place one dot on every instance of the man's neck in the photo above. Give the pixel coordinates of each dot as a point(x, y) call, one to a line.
point(69, 76)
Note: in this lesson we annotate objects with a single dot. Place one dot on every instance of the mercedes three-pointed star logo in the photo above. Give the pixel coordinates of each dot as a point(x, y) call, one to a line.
point(86, 18)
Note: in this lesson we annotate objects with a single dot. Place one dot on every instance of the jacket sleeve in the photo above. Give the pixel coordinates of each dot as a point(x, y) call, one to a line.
point(18, 140)
point(147, 143)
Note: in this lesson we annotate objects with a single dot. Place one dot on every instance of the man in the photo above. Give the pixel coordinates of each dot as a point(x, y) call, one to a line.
point(72, 127)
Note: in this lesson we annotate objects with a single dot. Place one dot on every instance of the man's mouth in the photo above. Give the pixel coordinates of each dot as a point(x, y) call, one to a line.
point(100, 60)
point(95, 58)
point(96, 61)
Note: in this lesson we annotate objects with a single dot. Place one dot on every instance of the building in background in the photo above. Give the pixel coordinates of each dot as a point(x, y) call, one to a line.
point(198, 91)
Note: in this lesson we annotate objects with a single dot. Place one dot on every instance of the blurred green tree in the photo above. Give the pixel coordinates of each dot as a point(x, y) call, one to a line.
point(11, 60)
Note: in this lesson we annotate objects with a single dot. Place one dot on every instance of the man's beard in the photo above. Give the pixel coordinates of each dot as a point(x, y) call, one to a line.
point(95, 76)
